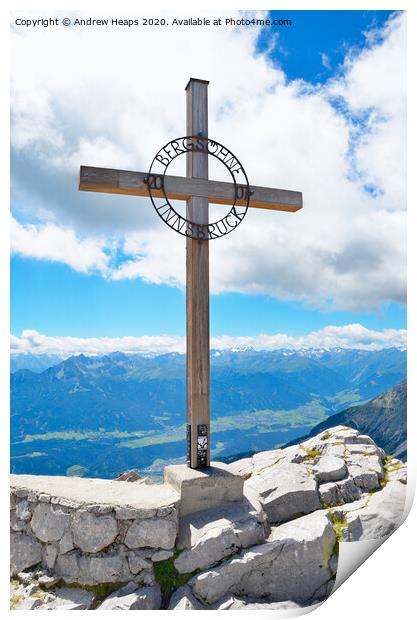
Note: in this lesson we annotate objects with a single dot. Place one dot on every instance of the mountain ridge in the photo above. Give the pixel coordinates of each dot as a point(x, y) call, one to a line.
point(384, 418)
point(105, 414)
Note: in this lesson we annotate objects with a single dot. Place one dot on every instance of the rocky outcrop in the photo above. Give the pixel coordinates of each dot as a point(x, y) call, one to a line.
point(383, 417)
point(337, 466)
point(378, 514)
point(294, 492)
point(127, 545)
point(278, 568)
point(207, 537)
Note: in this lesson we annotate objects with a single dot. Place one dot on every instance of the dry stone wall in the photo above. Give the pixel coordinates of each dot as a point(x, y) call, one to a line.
point(89, 543)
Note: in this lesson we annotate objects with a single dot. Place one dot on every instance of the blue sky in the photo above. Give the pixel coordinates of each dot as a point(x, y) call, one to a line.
point(53, 299)
point(315, 34)
point(89, 266)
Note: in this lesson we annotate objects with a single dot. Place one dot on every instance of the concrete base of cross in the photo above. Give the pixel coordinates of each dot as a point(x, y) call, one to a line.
point(201, 489)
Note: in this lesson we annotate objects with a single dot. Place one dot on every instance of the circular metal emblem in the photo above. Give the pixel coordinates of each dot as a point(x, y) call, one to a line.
point(239, 195)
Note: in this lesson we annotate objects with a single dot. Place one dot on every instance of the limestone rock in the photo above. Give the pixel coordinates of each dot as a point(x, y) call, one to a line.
point(70, 599)
point(214, 534)
point(293, 565)
point(27, 603)
point(183, 599)
point(129, 597)
point(325, 590)
point(212, 547)
point(98, 509)
point(232, 602)
point(157, 533)
point(139, 560)
point(16, 525)
point(267, 606)
point(30, 590)
point(147, 577)
point(366, 480)
point(25, 577)
point(109, 568)
point(365, 469)
point(128, 476)
point(22, 510)
point(49, 522)
point(67, 566)
point(127, 512)
point(340, 492)
point(162, 555)
point(263, 460)
point(49, 556)
point(25, 552)
point(92, 533)
point(285, 491)
point(397, 471)
point(46, 581)
point(356, 438)
point(330, 468)
point(376, 515)
point(229, 602)
point(66, 543)
point(243, 467)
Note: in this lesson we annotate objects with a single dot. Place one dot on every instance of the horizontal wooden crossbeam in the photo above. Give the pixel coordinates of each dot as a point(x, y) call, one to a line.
point(110, 181)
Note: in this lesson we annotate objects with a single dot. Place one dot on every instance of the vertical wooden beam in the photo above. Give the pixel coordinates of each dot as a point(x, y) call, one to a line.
point(198, 317)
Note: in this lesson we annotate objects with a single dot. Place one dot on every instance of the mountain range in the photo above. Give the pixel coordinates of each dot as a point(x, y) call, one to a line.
point(383, 418)
point(99, 415)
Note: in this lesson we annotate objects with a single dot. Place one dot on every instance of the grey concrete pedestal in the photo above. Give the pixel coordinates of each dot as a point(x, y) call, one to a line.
point(200, 489)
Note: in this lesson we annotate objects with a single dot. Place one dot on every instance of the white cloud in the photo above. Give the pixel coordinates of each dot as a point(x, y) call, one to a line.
point(32, 341)
point(353, 336)
point(50, 242)
point(345, 249)
point(375, 82)
point(325, 60)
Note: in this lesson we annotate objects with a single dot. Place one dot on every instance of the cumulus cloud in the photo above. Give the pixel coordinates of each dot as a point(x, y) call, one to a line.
point(353, 336)
point(341, 143)
point(32, 341)
point(54, 243)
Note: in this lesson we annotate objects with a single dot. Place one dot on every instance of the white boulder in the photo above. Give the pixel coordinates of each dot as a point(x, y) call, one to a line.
point(70, 599)
point(183, 599)
point(132, 597)
point(330, 468)
point(211, 535)
point(285, 491)
point(374, 516)
point(293, 565)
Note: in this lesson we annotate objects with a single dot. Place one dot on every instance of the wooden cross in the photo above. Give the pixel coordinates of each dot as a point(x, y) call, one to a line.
point(198, 191)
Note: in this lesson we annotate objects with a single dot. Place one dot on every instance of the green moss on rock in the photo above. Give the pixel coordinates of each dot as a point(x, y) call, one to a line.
point(100, 590)
point(339, 524)
point(169, 578)
point(311, 454)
